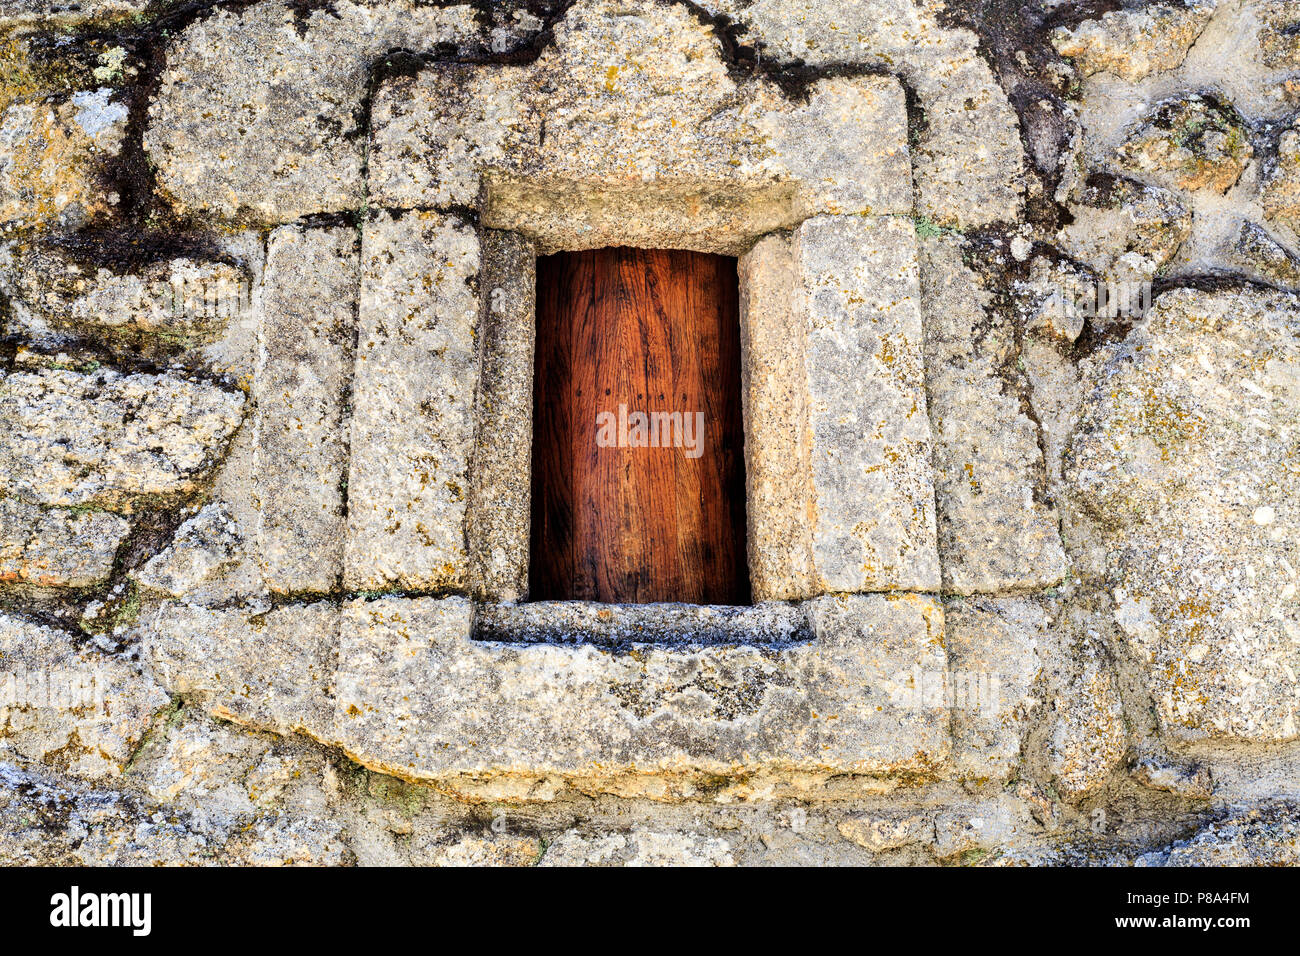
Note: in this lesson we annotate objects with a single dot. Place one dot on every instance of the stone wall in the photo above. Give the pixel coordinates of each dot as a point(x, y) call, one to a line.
point(1024, 562)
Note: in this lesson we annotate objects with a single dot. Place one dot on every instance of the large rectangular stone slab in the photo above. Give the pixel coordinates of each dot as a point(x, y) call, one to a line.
point(634, 130)
point(837, 449)
point(998, 532)
point(309, 295)
point(413, 404)
point(858, 292)
point(416, 697)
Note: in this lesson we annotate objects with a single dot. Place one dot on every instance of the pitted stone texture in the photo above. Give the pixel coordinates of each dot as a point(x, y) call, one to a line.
point(1267, 835)
point(641, 846)
point(995, 530)
point(629, 130)
point(774, 390)
point(109, 439)
point(52, 155)
point(872, 519)
point(68, 705)
point(1253, 251)
point(48, 12)
point(256, 116)
point(43, 821)
point(417, 698)
point(498, 521)
point(1279, 33)
point(170, 303)
point(55, 547)
point(996, 648)
point(1125, 230)
point(309, 319)
point(1188, 142)
point(413, 404)
point(202, 564)
point(969, 161)
point(270, 672)
point(1185, 453)
point(1281, 193)
point(1133, 44)
point(1088, 737)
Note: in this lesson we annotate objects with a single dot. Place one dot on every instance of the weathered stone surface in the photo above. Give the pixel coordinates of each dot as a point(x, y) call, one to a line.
point(630, 130)
point(202, 557)
point(1281, 192)
point(498, 519)
point(413, 404)
point(858, 291)
point(51, 157)
point(1257, 254)
point(996, 531)
point(44, 822)
point(54, 547)
point(1189, 142)
point(880, 832)
point(995, 647)
point(35, 12)
point(641, 846)
point(1186, 780)
point(167, 304)
point(1056, 299)
point(837, 462)
point(1124, 230)
point(256, 114)
point(1185, 453)
point(413, 698)
point(68, 705)
point(620, 626)
point(1133, 44)
point(1279, 38)
point(774, 392)
point(270, 671)
point(1088, 737)
point(968, 161)
point(108, 439)
point(1262, 836)
point(309, 319)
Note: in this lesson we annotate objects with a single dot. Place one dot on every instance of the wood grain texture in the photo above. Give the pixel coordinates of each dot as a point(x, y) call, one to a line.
point(654, 331)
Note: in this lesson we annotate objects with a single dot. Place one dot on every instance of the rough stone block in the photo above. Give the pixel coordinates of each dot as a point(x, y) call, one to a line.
point(996, 531)
point(68, 704)
point(632, 131)
point(52, 156)
point(872, 519)
point(778, 466)
point(1185, 455)
point(310, 290)
point(498, 520)
point(108, 439)
point(413, 404)
point(54, 547)
point(270, 671)
point(255, 116)
point(418, 698)
point(995, 652)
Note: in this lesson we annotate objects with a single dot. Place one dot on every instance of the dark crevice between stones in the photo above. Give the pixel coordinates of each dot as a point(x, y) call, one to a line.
point(1014, 41)
point(146, 228)
point(987, 252)
point(743, 61)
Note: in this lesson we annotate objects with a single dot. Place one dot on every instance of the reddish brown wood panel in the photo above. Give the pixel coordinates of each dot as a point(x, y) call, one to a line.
point(622, 331)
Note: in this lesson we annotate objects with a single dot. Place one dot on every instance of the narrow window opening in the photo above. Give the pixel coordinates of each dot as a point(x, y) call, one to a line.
point(638, 441)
